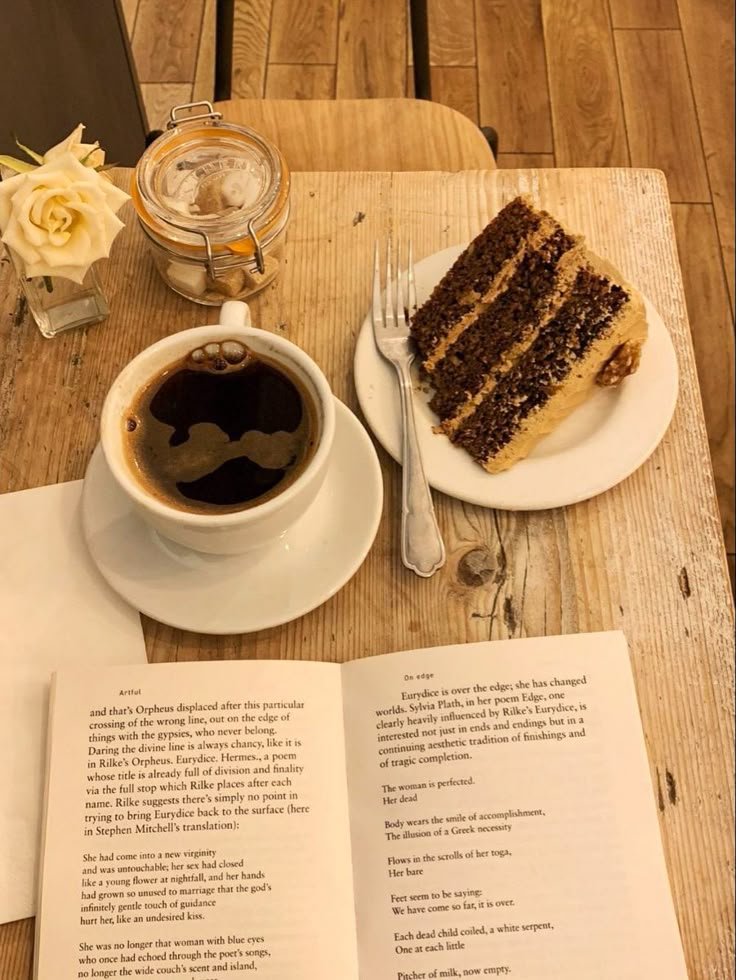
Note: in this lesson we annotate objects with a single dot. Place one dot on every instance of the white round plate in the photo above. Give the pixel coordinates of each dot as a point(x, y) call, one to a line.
point(241, 593)
point(598, 445)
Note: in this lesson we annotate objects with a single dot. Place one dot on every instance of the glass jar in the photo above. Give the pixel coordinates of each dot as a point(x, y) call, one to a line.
point(213, 200)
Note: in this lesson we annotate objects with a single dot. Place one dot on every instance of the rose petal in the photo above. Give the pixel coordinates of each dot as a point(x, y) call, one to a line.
point(15, 237)
point(8, 189)
point(36, 206)
point(91, 153)
point(115, 197)
point(73, 139)
point(77, 251)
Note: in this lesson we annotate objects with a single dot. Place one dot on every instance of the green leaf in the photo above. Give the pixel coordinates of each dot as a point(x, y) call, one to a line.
point(19, 166)
point(31, 153)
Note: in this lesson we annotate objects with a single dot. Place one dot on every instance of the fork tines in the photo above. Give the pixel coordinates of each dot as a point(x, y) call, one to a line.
point(394, 315)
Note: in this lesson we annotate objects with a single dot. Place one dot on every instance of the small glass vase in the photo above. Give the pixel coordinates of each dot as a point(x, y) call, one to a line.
point(59, 304)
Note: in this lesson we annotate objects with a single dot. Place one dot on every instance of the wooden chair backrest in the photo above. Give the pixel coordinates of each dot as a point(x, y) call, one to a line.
point(365, 134)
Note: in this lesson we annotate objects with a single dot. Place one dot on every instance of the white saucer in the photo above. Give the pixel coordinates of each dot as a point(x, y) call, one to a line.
point(241, 593)
point(597, 446)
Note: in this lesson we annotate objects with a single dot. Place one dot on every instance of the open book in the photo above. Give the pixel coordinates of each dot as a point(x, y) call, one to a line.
point(470, 811)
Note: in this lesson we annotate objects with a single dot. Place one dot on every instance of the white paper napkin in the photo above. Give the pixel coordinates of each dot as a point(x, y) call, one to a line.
point(55, 610)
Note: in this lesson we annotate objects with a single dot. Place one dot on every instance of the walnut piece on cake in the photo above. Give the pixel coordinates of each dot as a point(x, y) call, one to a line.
point(624, 361)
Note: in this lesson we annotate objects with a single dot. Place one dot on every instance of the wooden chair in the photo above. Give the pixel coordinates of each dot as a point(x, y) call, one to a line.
point(365, 134)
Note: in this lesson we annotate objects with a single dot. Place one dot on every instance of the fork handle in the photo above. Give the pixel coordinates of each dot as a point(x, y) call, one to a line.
point(422, 548)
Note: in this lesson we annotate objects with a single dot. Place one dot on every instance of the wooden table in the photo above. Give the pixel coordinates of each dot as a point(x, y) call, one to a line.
point(646, 557)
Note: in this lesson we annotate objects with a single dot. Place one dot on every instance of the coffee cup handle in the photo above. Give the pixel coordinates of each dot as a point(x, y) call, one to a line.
point(235, 314)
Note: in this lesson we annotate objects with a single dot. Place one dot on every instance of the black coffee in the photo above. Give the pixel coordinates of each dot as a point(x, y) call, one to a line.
point(220, 430)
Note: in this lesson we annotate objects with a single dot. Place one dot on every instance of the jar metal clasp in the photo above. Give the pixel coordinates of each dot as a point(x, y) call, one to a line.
point(260, 263)
point(211, 266)
point(211, 114)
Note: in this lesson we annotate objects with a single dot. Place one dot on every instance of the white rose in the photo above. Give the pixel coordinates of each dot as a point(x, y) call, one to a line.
point(60, 217)
point(89, 153)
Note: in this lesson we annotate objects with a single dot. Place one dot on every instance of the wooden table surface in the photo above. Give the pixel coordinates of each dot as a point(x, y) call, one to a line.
point(646, 557)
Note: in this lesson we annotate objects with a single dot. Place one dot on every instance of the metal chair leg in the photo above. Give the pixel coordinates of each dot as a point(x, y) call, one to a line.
point(225, 12)
point(420, 49)
point(491, 138)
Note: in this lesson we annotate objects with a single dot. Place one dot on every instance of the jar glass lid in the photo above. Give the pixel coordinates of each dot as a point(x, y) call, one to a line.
point(204, 177)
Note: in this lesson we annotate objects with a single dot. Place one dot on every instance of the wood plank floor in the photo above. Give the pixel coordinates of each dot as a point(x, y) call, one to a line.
point(568, 83)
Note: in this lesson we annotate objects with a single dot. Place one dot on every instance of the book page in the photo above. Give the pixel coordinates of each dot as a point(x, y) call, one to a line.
point(502, 814)
point(197, 825)
point(47, 577)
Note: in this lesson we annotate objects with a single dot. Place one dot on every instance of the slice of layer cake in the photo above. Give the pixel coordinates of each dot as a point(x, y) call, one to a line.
point(520, 331)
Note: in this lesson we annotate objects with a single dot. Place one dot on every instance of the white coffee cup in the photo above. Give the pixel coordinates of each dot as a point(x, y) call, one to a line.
point(239, 531)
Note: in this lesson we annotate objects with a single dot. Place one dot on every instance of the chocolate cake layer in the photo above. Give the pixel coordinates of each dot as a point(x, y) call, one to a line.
point(473, 273)
point(481, 350)
point(585, 315)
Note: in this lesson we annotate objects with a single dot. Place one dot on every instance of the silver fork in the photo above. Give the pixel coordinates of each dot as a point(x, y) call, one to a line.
point(422, 548)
